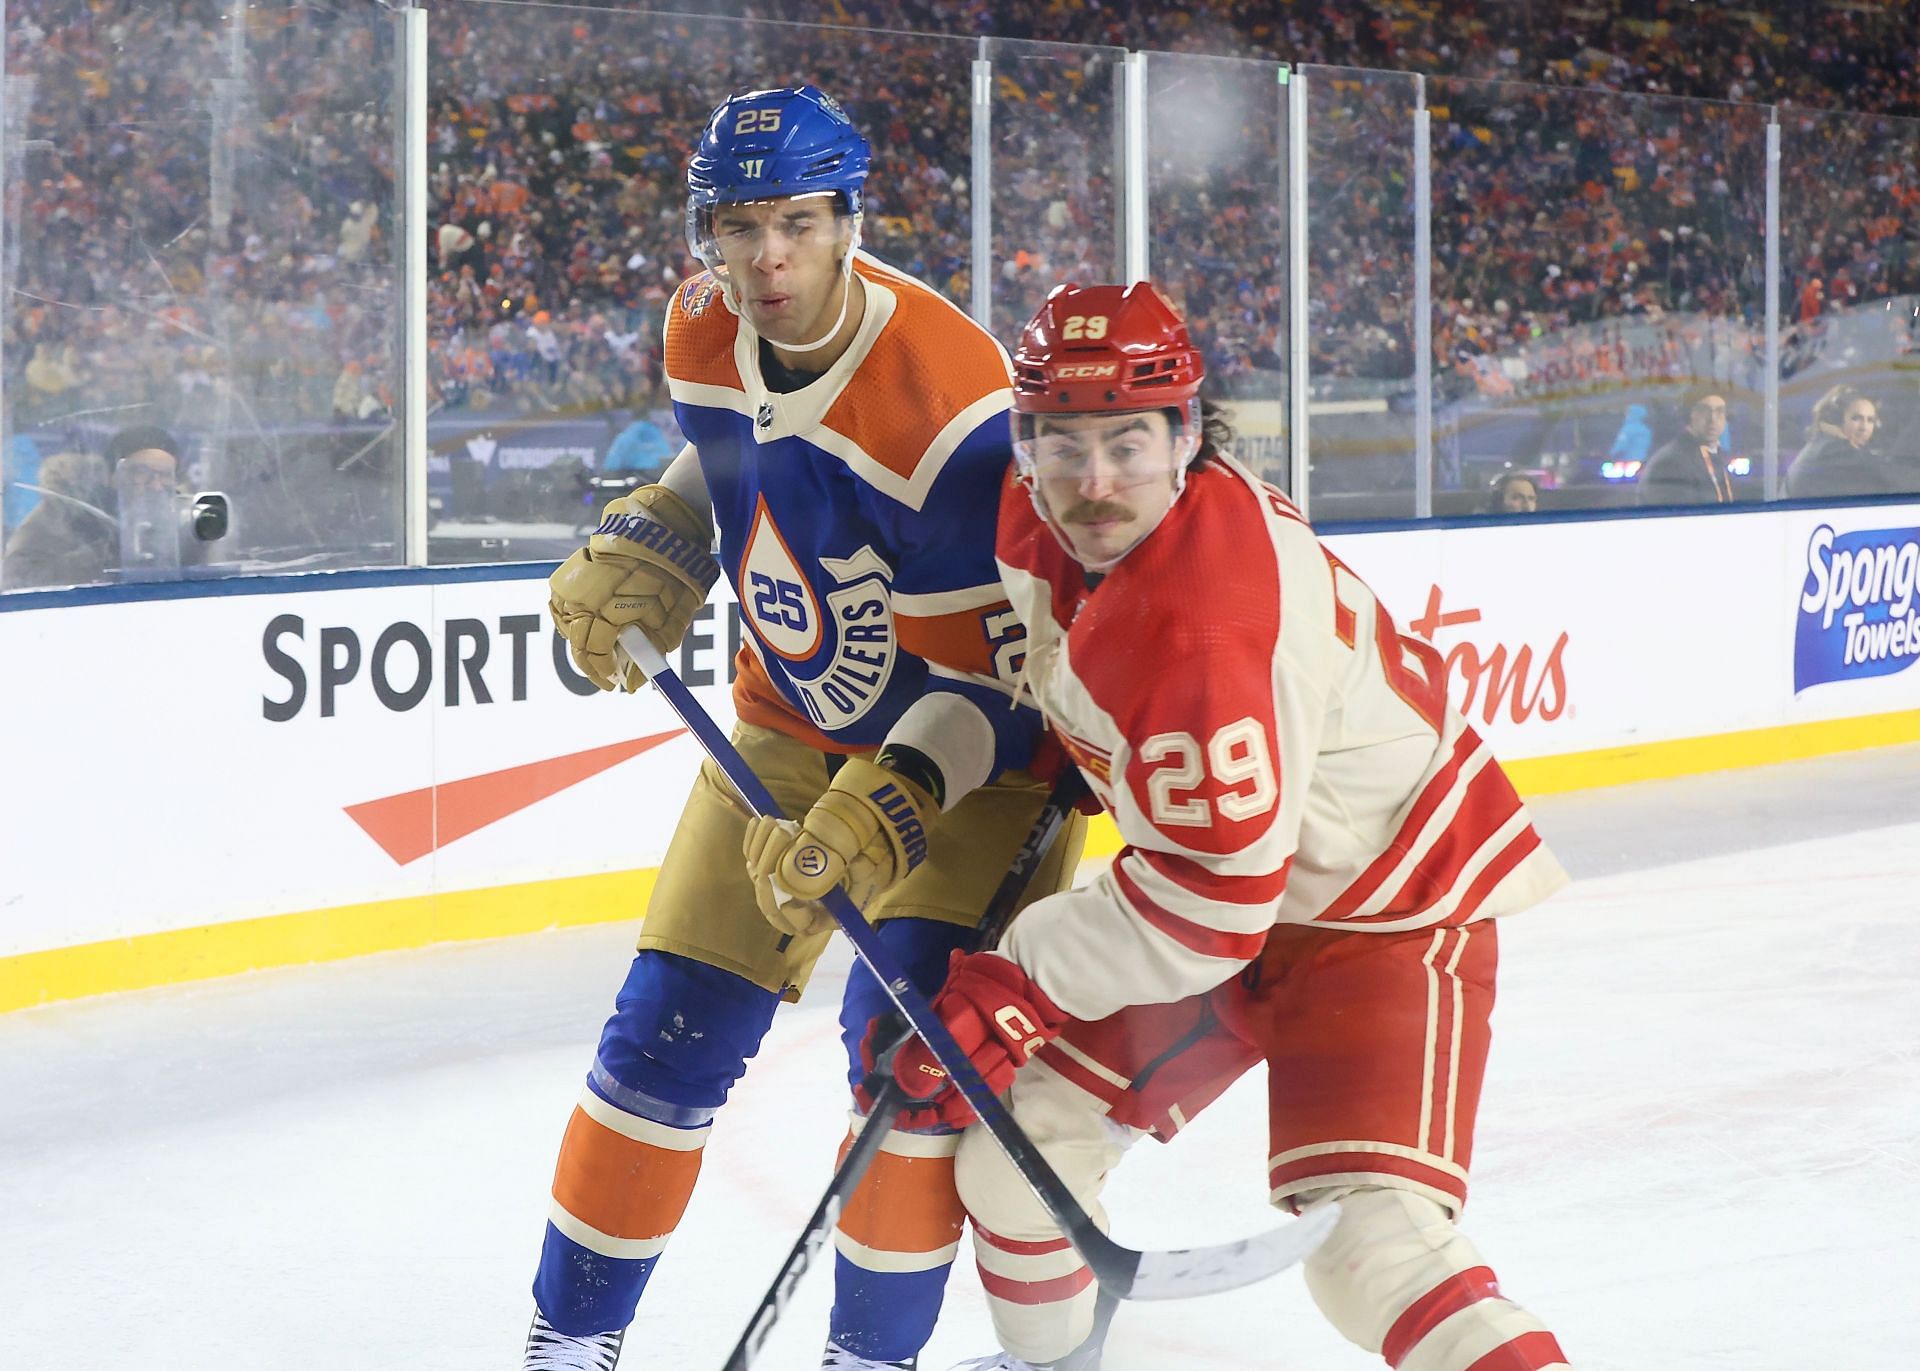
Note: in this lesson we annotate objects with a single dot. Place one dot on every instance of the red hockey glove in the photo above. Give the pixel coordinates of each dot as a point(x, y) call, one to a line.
point(999, 1017)
point(885, 1036)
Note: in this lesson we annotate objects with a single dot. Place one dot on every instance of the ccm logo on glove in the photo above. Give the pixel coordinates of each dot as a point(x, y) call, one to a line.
point(997, 1016)
point(1019, 1029)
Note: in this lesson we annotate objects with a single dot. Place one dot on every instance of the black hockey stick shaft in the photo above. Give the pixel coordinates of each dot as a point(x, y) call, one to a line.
point(1122, 1270)
point(891, 1096)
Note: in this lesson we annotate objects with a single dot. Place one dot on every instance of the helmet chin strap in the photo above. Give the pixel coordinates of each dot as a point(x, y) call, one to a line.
point(846, 300)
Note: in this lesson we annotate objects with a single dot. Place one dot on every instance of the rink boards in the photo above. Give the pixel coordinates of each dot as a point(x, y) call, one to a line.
point(211, 778)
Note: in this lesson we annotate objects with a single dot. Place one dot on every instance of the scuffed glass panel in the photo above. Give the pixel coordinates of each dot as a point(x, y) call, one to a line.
point(557, 152)
point(1217, 232)
point(1056, 173)
point(1850, 306)
point(1599, 302)
point(199, 290)
point(1360, 270)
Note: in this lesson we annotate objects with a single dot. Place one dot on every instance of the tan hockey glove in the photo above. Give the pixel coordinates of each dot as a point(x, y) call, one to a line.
point(867, 831)
point(646, 564)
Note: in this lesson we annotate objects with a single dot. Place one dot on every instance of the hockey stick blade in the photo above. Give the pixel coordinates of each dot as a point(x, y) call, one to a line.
point(1179, 1275)
point(1117, 1268)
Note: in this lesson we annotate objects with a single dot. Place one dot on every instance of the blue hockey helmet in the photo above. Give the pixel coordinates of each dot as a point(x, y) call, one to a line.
point(767, 144)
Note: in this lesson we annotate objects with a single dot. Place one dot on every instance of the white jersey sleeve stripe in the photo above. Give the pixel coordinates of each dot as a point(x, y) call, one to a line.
point(1195, 937)
point(1197, 880)
point(1435, 801)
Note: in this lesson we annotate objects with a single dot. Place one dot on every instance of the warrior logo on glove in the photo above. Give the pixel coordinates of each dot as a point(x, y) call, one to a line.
point(910, 833)
point(866, 832)
point(646, 565)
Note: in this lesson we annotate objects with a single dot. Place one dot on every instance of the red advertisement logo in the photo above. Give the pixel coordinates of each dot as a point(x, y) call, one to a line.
point(1483, 679)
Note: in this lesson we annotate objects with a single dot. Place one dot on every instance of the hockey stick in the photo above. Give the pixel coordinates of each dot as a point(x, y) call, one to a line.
point(1129, 1274)
point(891, 1095)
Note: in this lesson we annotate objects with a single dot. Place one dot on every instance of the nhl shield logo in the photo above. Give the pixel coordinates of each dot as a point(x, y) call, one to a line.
point(765, 417)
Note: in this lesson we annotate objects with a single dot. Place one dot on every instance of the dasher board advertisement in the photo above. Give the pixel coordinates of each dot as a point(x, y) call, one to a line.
point(315, 743)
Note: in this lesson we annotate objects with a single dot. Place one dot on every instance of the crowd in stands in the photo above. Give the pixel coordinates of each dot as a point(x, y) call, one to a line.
point(146, 267)
point(202, 203)
point(1555, 206)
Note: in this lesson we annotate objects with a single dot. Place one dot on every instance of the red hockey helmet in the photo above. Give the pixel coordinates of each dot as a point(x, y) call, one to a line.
point(1112, 348)
point(1092, 357)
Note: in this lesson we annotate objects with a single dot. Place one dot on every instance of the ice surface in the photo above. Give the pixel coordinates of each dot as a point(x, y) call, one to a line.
point(1699, 1145)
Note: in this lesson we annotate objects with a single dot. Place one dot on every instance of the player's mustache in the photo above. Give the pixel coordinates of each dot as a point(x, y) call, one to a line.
point(1095, 512)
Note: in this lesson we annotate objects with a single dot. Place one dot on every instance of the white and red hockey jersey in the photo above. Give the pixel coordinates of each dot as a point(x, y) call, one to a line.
point(1271, 747)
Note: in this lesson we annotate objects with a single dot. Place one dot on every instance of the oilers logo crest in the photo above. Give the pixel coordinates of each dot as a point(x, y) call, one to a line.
point(836, 656)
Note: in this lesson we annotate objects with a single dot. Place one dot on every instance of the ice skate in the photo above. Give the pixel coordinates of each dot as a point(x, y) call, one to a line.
point(1083, 1358)
point(551, 1350)
point(837, 1358)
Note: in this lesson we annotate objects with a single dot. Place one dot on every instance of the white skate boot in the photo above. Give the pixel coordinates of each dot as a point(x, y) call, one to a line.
point(1081, 1359)
point(837, 1358)
point(551, 1350)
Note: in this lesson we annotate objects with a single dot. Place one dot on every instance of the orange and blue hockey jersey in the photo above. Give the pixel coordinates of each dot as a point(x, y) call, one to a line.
point(856, 515)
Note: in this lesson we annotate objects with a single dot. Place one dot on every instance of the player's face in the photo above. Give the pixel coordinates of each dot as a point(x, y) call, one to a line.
point(783, 257)
point(1106, 479)
point(1861, 422)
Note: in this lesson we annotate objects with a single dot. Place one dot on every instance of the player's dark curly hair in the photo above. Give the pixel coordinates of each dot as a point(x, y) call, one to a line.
point(1216, 431)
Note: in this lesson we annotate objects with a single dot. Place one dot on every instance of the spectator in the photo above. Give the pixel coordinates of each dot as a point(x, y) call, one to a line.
point(1839, 457)
point(69, 538)
point(1689, 470)
point(19, 474)
point(641, 449)
point(1514, 492)
point(353, 398)
point(1813, 300)
point(546, 344)
point(148, 448)
point(357, 229)
point(1632, 443)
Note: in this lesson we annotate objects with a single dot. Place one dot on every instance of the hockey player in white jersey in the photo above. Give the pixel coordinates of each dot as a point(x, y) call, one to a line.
point(1317, 847)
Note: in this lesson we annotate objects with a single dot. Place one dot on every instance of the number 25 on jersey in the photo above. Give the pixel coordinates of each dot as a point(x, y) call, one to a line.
point(779, 602)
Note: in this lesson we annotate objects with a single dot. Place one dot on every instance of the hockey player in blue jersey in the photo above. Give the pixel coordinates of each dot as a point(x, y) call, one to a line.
point(847, 435)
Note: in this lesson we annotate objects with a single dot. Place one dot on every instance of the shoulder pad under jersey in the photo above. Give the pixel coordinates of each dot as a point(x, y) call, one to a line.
point(700, 334)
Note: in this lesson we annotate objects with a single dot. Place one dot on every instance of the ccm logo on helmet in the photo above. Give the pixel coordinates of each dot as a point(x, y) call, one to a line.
point(1086, 371)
